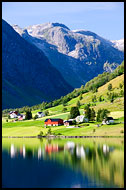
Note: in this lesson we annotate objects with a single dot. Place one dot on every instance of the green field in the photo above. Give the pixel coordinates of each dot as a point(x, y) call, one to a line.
point(33, 127)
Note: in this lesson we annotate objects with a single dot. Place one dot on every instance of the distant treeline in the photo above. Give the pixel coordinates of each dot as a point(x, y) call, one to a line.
point(92, 85)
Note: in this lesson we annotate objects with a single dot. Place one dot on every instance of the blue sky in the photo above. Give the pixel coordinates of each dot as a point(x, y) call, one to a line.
point(103, 18)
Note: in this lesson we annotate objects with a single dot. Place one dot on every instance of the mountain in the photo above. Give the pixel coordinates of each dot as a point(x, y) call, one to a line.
point(28, 77)
point(79, 55)
point(119, 44)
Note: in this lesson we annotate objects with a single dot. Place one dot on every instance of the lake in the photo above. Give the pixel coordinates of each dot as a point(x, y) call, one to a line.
point(65, 163)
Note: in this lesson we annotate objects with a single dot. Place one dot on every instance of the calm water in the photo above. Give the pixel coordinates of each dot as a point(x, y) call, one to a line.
point(87, 163)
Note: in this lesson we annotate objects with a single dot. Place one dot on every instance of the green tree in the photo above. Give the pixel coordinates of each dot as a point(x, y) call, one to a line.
point(87, 110)
point(82, 86)
point(110, 87)
point(78, 104)
point(100, 98)
point(64, 109)
point(49, 131)
point(101, 114)
point(35, 117)
point(74, 112)
point(94, 99)
point(120, 85)
point(41, 133)
point(94, 89)
point(112, 96)
point(92, 118)
point(43, 105)
point(80, 97)
point(28, 114)
point(121, 93)
point(46, 112)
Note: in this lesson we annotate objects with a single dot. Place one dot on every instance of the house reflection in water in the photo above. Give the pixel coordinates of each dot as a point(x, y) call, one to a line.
point(12, 151)
point(39, 153)
point(53, 148)
point(69, 146)
point(24, 153)
point(105, 149)
point(15, 152)
point(80, 152)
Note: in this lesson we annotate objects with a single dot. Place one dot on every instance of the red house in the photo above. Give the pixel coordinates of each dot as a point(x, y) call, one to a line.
point(53, 122)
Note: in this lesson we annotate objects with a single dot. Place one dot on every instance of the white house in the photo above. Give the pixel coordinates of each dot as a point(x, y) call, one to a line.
point(40, 114)
point(108, 121)
point(81, 118)
point(13, 114)
point(21, 117)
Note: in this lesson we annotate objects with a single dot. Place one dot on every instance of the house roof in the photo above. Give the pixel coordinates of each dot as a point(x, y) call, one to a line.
point(67, 121)
point(110, 118)
point(57, 119)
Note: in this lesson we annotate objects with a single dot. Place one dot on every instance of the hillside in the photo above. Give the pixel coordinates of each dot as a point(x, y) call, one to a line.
point(73, 52)
point(28, 78)
point(33, 127)
point(117, 105)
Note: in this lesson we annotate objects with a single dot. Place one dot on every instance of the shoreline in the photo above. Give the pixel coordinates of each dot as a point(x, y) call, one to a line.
point(54, 137)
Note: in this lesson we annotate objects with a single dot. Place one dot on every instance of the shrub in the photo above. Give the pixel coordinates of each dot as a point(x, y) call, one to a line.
point(121, 93)
point(74, 122)
point(85, 124)
point(94, 130)
point(120, 85)
point(59, 133)
point(110, 87)
point(46, 112)
point(94, 98)
point(35, 117)
point(64, 109)
point(122, 131)
point(100, 98)
point(49, 131)
point(41, 133)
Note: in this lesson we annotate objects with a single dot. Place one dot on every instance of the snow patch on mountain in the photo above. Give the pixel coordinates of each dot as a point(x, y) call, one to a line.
point(119, 44)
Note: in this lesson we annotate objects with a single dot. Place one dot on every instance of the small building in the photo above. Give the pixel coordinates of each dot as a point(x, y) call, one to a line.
point(53, 122)
point(13, 114)
point(67, 122)
point(81, 118)
point(108, 120)
point(21, 117)
point(40, 114)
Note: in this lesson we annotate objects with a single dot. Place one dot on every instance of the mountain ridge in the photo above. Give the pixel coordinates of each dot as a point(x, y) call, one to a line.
point(25, 67)
point(71, 52)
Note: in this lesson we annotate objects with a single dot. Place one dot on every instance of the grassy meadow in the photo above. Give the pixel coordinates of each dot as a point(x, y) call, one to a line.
point(33, 127)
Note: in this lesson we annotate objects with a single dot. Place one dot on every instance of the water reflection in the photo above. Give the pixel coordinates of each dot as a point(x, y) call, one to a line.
point(101, 162)
point(74, 150)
